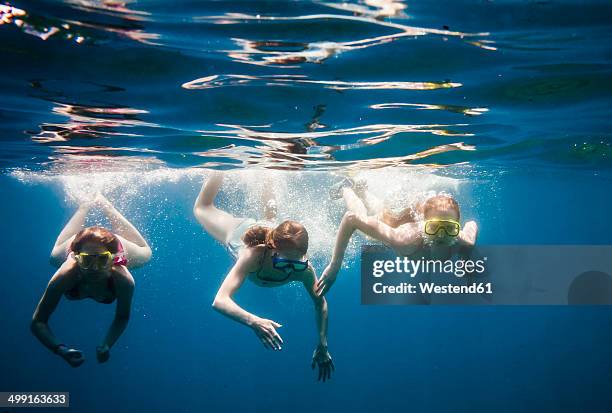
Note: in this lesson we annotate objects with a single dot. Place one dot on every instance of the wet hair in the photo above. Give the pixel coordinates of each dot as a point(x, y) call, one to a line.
point(288, 235)
point(256, 235)
point(95, 234)
point(441, 203)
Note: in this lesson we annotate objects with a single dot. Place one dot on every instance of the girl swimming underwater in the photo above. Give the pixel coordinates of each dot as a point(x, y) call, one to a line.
point(93, 263)
point(430, 229)
point(269, 257)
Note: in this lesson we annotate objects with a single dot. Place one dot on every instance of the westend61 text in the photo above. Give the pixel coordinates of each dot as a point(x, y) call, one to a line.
point(432, 288)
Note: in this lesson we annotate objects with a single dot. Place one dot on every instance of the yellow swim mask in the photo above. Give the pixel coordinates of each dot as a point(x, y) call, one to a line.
point(89, 261)
point(450, 226)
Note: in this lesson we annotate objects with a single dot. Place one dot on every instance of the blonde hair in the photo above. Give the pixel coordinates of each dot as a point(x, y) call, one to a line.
point(441, 203)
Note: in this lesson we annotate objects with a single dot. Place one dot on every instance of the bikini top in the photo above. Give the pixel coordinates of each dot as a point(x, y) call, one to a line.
point(119, 259)
point(75, 292)
point(265, 279)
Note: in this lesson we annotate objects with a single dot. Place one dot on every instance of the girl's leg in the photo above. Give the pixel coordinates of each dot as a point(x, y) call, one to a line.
point(74, 225)
point(219, 224)
point(372, 203)
point(357, 189)
point(137, 248)
point(394, 219)
point(353, 202)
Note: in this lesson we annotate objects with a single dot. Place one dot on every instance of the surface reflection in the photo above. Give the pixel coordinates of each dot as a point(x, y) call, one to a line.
point(317, 150)
point(233, 84)
point(215, 81)
point(111, 8)
point(291, 54)
point(428, 106)
point(265, 158)
point(81, 31)
point(40, 27)
point(87, 122)
point(377, 9)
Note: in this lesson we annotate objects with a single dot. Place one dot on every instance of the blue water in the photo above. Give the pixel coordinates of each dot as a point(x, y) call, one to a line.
point(507, 107)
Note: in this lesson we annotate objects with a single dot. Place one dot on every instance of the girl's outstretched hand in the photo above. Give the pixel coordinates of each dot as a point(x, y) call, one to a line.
point(323, 359)
point(72, 356)
point(327, 280)
point(266, 331)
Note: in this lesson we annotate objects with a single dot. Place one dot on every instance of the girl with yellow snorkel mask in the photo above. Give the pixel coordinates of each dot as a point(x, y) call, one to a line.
point(430, 229)
point(93, 263)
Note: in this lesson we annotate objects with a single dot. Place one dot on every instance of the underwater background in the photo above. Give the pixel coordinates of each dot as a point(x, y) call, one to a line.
point(504, 104)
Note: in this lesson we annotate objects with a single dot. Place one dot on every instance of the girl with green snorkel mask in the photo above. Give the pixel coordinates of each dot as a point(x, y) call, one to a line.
point(430, 229)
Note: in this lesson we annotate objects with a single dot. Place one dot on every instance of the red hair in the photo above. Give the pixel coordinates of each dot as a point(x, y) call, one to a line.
point(288, 235)
point(95, 234)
